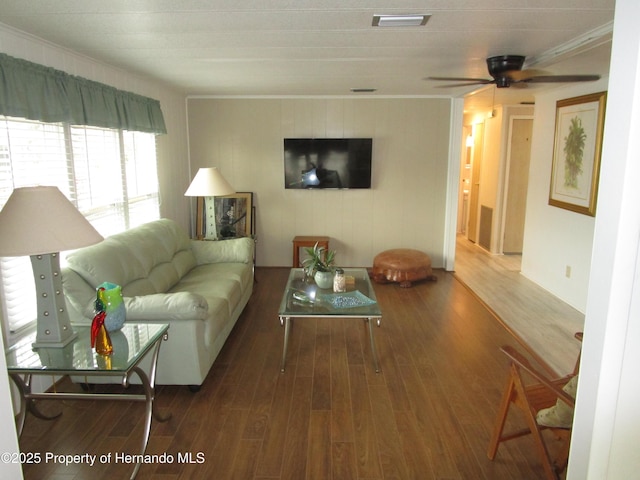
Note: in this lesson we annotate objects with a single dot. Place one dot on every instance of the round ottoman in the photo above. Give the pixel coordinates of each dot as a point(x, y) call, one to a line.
point(402, 265)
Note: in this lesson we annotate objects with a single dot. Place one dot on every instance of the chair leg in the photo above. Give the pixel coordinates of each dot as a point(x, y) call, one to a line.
point(547, 463)
point(536, 434)
point(501, 419)
point(563, 457)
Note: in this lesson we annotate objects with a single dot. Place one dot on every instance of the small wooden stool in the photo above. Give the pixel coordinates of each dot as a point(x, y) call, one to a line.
point(307, 241)
point(402, 265)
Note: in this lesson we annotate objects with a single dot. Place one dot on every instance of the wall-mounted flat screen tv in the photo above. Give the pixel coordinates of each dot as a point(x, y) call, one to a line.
point(327, 162)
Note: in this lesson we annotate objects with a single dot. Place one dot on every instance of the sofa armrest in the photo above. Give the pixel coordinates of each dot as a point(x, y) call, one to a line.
point(167, 306)
point(235, 250)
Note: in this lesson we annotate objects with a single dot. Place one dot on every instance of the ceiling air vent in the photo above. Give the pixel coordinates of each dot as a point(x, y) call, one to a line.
point(412, 20)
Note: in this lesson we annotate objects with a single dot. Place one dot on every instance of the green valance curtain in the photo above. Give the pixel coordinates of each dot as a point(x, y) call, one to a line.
point(36, 92)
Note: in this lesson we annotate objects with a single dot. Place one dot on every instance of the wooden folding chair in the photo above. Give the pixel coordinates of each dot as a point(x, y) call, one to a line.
point(530, 398)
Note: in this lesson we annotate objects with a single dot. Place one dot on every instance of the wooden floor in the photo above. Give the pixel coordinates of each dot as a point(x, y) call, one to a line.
point(427, 415)
point(544, 322)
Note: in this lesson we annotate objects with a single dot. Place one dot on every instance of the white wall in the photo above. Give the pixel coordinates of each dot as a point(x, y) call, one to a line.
point(555, 238)
point(404, 209)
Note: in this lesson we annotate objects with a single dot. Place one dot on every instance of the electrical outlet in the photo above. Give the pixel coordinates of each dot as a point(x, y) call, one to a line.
point(567, 271)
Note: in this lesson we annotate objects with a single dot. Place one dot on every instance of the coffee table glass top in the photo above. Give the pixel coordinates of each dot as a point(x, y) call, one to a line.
point(302, 297)
point(130, 344)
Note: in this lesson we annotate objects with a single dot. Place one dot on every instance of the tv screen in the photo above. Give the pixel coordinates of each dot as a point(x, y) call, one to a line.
point(327, 162)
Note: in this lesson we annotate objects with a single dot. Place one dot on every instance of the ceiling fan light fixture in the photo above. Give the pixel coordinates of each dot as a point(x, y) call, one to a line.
point(411, 20)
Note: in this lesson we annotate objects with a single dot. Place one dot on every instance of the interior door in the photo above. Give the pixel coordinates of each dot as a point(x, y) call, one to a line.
point(474, 188)
point(517, 181)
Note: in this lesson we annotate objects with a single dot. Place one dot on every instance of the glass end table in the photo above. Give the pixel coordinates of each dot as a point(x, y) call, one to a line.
point(130, 345)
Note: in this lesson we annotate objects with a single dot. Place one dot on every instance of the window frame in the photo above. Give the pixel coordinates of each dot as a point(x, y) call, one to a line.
point(136, 153)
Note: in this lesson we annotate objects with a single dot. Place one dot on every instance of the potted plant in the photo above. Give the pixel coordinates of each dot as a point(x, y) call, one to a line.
point(319, 263)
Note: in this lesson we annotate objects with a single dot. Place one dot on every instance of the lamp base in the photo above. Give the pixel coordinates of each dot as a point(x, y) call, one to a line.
point(209, 230)
point(54, 326)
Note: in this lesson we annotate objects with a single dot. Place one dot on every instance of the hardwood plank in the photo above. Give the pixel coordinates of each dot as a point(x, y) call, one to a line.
point(260, 410)
point(416, 452)
point(321, 397)
point(367, 455)
point(301, 356)
point(355, 355)
point(319, 446)
point(246, 460)
point(343, 461)
point(388, 437)
point(341, 425)
point(272, 452)
point(392, 380)
point(220, 464)
point(248, 381)
point(295, 444)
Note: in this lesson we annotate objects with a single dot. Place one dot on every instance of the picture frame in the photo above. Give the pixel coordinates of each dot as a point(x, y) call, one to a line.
point(577, 150)
point(227, 216)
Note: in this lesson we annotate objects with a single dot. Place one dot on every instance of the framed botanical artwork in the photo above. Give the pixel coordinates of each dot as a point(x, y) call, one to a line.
point(576, 154)
point(228, 216)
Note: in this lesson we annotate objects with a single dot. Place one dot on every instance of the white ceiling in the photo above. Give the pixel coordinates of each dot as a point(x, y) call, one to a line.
point(326, 47)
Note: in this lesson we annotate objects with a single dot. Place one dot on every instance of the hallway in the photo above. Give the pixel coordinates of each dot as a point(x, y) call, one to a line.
point(536, 317)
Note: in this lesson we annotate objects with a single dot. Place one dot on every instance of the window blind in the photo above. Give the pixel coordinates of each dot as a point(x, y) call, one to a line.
point(110, 175)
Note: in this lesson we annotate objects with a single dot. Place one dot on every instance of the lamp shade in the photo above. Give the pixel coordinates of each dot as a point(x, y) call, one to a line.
point(41, 220)
point(209, 182)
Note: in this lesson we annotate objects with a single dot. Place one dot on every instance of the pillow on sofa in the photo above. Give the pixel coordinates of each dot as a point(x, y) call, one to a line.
point(561, 414)
point(235, 250)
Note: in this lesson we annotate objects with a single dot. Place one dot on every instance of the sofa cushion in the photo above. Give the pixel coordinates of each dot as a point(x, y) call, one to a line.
point(223, 281)
point(146, 260)
point(239, 250)
point(167, 306)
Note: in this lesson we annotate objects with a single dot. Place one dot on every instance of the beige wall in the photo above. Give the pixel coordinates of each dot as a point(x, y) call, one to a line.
point(405, 206)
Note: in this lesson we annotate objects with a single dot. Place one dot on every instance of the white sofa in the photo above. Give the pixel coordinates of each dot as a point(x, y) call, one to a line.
point(199, 287)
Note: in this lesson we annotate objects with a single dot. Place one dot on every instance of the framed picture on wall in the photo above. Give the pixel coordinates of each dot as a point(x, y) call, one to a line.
point(228, 216)
point(576, 155)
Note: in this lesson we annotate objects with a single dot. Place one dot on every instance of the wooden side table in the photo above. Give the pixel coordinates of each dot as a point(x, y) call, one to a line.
point(307, 241)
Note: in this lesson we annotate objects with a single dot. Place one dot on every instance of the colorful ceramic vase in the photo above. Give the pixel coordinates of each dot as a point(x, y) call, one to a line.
point(109, 299)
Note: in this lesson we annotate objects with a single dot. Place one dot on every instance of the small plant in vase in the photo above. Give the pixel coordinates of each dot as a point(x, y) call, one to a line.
point(319, 263)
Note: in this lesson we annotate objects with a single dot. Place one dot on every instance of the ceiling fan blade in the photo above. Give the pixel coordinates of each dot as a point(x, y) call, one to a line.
point(562, 78)
point(467, 84)
point(460, 79)
point(520, 75)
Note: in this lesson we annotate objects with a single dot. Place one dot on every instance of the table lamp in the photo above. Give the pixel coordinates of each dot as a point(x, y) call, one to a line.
point(208, 182)
point(41, 222)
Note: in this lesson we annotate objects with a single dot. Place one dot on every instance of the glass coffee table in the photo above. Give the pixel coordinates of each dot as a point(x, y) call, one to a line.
point(77, 359)
point(304, 299)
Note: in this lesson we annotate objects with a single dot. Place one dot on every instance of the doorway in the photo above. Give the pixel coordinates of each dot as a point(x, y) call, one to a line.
point(475, 167)
point(516, 182)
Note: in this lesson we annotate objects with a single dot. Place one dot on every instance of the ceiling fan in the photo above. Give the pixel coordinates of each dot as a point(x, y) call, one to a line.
point(506, 71)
